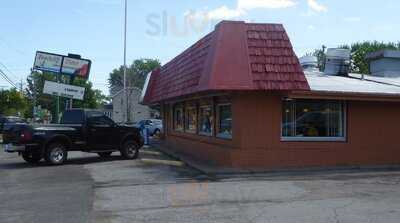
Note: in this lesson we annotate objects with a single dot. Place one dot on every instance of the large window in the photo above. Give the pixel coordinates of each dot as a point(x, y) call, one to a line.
point(191, 119)
point(206, 120)
point(207, 117)
point(313, 120)
point(224, 121)
point(178, 117)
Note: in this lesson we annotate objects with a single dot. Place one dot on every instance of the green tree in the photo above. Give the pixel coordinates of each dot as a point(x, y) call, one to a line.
point(136, 74)
point(13, 102)
point(93, 98)
point(360, 50)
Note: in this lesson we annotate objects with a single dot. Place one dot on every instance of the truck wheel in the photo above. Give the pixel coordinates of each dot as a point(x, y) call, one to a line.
point(130, 150)
point(31, 157)
point(56, 154)
point(104, 154)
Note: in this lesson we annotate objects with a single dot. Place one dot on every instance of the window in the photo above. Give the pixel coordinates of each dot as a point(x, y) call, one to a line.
point(73, 117)
point(191, 119)
point(178, 117)
point(224, 121)
point(313, 120)
point(206, 120)
point(100, 120)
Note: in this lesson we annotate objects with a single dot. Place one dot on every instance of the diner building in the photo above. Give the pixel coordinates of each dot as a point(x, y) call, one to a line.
point(240, 98)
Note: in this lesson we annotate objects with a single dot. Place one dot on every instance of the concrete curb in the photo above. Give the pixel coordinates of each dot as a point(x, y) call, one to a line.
point(221, 172)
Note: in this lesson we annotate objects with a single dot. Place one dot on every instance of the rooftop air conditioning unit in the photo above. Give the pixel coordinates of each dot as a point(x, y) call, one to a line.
point(309, 63)
point(337, 62)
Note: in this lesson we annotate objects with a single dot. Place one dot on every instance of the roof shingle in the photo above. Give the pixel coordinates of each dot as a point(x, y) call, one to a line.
point(235, 56)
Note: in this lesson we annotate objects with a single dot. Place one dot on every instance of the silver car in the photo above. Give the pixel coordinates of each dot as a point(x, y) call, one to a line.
point(154, 126)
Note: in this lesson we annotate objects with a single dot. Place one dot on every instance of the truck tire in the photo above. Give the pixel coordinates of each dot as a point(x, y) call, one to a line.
point(130, 150)
point(31, 157)
point(56, 154)
point(104, 154)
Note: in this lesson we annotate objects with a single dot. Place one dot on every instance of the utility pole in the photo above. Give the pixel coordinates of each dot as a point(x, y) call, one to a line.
point(21, 86)
point(58, 101)
point(125, 86)
point(34, 95)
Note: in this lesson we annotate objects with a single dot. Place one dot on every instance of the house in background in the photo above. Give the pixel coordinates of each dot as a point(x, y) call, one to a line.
point(108, 110)
point(136, 111)
point(239, 98)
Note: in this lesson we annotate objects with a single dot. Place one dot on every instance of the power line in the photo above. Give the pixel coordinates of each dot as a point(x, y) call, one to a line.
point(8, 70)
point(7, 78)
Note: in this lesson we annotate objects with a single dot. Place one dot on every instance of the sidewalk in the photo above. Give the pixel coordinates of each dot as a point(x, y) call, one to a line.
point(223, 172)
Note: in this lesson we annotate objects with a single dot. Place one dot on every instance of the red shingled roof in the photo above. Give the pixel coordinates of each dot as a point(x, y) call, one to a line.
point(235, 56)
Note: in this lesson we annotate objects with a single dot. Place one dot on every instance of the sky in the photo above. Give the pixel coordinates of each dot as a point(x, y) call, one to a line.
point(162, 29)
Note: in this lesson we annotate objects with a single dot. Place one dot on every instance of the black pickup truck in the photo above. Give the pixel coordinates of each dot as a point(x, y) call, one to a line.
point(79, 130)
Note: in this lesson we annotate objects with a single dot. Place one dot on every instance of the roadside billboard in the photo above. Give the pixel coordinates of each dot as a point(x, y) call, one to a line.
point(63, 90)
point(76, 67)
point(68, 65)
point(48, 62)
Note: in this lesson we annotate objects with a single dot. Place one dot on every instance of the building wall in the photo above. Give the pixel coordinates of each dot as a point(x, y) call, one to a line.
point(137, 111)
point(372, 137)
point(385, 67)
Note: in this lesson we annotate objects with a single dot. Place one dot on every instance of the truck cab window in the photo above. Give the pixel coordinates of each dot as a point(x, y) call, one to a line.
point(100, 120)
point(73, 117)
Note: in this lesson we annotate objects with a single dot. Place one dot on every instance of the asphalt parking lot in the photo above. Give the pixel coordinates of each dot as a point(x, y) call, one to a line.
point(157, 188)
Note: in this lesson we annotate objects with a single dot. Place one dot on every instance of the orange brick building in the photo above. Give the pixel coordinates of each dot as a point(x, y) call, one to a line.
point(240, 98)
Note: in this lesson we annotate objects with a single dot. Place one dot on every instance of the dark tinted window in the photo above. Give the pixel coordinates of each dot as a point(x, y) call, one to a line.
point(98, 118)
point(225, 121)
point(73, 117)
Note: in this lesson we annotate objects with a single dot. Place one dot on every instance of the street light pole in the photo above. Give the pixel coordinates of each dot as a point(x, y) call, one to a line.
point(125, 86)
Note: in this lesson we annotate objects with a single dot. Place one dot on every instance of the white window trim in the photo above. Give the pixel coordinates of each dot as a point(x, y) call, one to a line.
point(221, 135)
point(318, 139)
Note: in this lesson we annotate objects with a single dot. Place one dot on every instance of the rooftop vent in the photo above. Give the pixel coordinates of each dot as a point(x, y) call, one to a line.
point(337, 62)
point(309, 63)
point(384, 63)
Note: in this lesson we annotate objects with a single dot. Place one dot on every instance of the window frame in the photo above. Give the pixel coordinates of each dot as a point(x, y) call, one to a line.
point(174, 124)
point(199, 132)
point(218, 121)
point(316, 139)
point(186, 119)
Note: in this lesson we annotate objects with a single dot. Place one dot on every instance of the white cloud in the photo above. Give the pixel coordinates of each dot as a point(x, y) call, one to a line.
point(224, 12)
point(314, 5)
point(266, 4)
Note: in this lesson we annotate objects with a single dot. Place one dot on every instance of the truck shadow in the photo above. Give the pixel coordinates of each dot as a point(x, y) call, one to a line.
point(20, 164)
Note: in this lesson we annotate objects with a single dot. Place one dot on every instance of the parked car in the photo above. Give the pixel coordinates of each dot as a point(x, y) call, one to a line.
point(80, 130)
point(6, 122)
point(154, 126)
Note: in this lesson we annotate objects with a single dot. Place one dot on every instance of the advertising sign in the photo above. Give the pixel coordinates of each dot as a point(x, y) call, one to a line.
point(48, 62)
point(68, 65)
point(77, 67)
point(63, 90)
